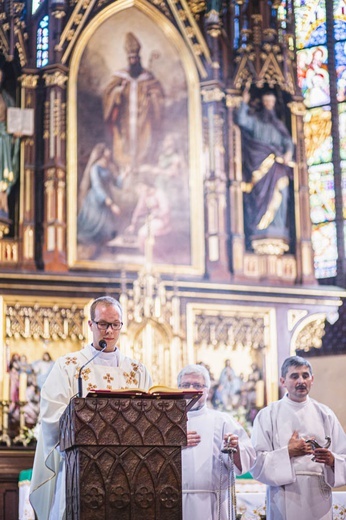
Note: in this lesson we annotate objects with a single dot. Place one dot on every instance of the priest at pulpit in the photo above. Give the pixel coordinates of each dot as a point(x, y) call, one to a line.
point(109, 369)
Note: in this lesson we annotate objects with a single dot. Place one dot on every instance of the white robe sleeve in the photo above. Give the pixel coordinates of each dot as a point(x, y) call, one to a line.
point(273, 466)
point(336, 477)
point(55, 396)
point(247, 453)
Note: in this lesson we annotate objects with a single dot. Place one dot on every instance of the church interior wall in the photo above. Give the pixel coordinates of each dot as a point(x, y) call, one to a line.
point(330, 383)
point(200, 290)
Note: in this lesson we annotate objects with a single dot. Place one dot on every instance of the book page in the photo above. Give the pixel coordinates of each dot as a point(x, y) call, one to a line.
point(155, 392)
point(20, 121)
point(163, 389)
point(14, 120)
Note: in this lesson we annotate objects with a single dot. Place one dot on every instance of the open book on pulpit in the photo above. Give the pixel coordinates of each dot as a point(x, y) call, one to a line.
point(154, 392)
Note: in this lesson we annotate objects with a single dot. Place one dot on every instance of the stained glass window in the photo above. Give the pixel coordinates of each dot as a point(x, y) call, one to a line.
point(314, 81)
point(318, 140)
point(324, 244)
point(42, 42)
point(35, 5)
point(310, 23)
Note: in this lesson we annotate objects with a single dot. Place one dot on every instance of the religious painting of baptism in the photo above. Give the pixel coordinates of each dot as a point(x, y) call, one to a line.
point(133, 158)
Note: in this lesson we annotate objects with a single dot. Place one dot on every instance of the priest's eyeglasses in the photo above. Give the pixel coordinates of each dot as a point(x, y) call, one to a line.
point(195, 386)
point(103, 325)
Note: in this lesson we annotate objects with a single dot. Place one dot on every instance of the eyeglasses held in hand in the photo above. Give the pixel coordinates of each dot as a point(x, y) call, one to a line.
point(103, 325)
point(196, 386)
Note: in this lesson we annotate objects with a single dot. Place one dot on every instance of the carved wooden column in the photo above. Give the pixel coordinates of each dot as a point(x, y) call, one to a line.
point(54, 247)
point(236, 195)
point(304, 252)
point(27, 180)
point(216, 200)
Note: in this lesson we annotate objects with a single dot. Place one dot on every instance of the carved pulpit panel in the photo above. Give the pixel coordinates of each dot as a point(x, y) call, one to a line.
point(124, 458)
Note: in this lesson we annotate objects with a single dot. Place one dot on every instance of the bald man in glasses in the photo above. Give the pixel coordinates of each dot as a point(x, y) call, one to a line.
point(207, 433)
point(110, 370)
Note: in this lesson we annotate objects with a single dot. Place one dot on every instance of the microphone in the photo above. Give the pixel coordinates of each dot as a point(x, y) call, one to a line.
point(103, 345)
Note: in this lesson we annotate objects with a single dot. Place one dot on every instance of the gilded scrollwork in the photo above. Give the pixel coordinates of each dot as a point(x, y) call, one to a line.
point(210, 95)
point(214, 330)
point(161, 4)
point(56, 79)
point(197, 7)
point(29, 80)
point(183, 14)
point(297, 108)
point(13, 31)
point(311, 335)
point(47, 322)
point(233, 101)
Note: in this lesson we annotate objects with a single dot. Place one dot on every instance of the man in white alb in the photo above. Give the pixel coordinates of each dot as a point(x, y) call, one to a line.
point(286, 435)
point(207, 431)
point(110, 370)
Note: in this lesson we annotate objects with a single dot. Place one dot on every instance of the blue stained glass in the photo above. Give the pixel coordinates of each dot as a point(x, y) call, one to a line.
point(310, 19)
point(324, 245)
point(42, 42)
point(322, 194)
point(342, 130)
point(340, 29)
point(340, 63)
point(318, 140)
point(318, 36)
point(340, 55)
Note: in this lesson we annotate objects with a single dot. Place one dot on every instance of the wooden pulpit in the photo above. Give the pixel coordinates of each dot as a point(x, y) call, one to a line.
point(123, 457)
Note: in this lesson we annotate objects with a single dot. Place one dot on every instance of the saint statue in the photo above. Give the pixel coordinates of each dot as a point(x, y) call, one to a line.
point(267, 150)
point(9, 153)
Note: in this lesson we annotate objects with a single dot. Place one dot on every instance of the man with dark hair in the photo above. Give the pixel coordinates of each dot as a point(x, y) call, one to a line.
point(205, 491)
point(110, 370)
point(301, 449)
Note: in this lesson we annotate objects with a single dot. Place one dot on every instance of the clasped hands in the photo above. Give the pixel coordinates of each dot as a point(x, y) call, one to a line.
point(230, 440)
point(298, 446)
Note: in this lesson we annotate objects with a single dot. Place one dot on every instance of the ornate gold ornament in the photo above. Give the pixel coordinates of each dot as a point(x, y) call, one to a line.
point(311, 335)
point(197, 7)
point(56, 79)
point(191, 32)
point(270, 246)
point(29, 80)
point(232, 331)
point(297, 108)
point(210, 95)
point(45, 322)
point(4, 228)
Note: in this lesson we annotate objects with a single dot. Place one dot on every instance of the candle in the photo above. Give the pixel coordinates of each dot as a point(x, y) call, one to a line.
point(6, 387)
point(23, 380)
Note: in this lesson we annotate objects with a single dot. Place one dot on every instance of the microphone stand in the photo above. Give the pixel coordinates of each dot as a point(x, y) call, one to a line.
point(103, 345)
